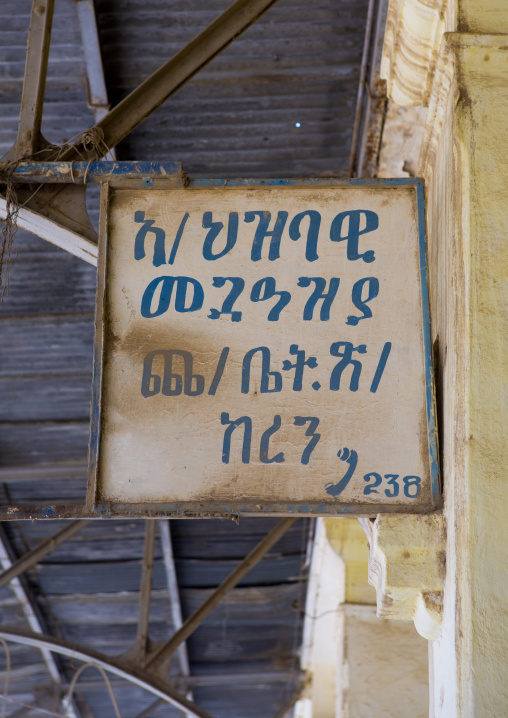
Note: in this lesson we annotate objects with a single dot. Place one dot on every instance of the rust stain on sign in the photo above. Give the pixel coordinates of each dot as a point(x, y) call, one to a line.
point(264, 351)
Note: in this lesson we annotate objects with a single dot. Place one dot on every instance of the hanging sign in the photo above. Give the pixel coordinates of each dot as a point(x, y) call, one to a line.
point(264, 348)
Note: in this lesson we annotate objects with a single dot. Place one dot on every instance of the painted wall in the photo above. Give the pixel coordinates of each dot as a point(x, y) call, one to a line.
point(384, 664)
point(457, 57)
point(387, 666)
point(465, 170)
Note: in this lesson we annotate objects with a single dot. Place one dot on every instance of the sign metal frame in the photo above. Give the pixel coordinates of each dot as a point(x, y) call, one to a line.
point(203, 509)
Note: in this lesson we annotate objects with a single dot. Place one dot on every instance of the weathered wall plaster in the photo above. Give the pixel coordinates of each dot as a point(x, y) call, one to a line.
point(413, 32)
point(402, 141)
point(464, 160)
point(407, 567)
point(387, 667)
point(383, 664)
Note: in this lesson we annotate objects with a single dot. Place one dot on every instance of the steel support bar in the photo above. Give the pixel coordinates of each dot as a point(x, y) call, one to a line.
point(361, 88)
point(29, 611)
point(34, 83)
point(38, 553)
point(169, 78)
point(145, 591)
point(190, 625)
point(174, 595)
point(97, 92)
point(138, 678)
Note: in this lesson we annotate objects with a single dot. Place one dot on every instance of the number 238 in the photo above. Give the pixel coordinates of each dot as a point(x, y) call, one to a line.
point(411, 485)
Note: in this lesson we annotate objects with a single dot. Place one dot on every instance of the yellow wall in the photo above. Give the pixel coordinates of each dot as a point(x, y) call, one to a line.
point(465, 163)
point(348, 539)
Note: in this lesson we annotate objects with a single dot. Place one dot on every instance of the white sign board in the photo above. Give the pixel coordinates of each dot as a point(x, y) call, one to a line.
point(264, 349)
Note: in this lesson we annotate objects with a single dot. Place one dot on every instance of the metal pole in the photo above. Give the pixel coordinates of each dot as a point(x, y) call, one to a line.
point(216, 597)
point(353, 169)
point(174, 597)
point(145, 591)
point(171, 76)
point(34, 83)
point(38, 553)
point(97, 92)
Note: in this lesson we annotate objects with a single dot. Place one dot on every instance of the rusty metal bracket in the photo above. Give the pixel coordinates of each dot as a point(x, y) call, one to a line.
point(51, 222)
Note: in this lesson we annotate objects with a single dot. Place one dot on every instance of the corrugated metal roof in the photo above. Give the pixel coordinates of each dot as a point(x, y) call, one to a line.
point(298, 65)
point(278, 102)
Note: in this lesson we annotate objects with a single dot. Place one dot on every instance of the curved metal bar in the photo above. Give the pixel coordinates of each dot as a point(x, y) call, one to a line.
point(73, 650)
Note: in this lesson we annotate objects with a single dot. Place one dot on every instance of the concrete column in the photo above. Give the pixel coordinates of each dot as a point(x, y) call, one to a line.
point(465, 161)
point(453, 58)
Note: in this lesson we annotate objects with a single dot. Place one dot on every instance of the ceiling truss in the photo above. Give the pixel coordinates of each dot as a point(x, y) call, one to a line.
point(65, 205)
point(57, 213)
point(145, 664)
